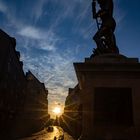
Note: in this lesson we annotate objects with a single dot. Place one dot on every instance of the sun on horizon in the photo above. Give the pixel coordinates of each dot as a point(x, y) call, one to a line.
point(57, 111)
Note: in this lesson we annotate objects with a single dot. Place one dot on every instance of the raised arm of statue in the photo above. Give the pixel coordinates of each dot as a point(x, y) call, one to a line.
point(94, 9)
point(106, 6)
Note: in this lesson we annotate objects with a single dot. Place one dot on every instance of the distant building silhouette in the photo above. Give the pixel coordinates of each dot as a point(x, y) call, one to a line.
point(36, 106)
point(71, 120)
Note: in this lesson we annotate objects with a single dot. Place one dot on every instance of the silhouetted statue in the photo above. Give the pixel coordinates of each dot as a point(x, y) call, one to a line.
point(104, 37)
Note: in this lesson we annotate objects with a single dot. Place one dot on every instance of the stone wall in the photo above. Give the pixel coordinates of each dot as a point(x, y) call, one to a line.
point(110, 86)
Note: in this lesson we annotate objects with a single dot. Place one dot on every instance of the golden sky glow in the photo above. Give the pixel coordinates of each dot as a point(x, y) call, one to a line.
point(57, 110)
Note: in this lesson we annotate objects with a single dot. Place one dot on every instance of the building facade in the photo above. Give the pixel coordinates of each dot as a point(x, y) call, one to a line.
point(71, 120)
point(12, 83)
point(22, 97)
point(36, 105)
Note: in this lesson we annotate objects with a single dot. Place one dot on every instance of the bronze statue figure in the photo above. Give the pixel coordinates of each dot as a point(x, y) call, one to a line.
point(104, 37)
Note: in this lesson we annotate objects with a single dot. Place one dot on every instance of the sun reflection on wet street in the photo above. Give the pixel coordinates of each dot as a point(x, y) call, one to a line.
point(45, 135)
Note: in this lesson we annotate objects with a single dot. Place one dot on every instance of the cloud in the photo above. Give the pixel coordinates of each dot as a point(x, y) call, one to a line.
point(37, 9)
point(45, 50)
point(119, 13)
point(45, 40)
point(39, 38)
point(3, 7)
point(55, 70)
point(31, 32)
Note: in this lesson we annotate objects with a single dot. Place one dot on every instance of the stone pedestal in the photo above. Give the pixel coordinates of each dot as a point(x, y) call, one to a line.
point(110, 86)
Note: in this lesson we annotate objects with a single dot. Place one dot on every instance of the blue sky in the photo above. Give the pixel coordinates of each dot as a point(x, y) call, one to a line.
point(52, 34)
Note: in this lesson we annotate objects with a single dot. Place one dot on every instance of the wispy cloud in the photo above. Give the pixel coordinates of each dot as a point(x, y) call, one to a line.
point(52, 39)
point(37, 9)
point(119, 13)
point(55, 66)
point(41, 39)
point(3, 7)
point(56, 71)
point(31, 32)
